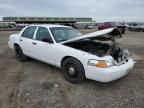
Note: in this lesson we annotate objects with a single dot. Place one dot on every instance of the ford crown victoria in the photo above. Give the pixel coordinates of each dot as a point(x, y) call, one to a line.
point(96, 56)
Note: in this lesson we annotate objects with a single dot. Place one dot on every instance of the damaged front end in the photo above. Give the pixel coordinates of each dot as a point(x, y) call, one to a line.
point(120, 55)
point(98, 43)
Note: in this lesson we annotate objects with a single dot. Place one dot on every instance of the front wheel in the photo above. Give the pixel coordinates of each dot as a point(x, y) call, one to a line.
point(19, 53)
point(73, 70)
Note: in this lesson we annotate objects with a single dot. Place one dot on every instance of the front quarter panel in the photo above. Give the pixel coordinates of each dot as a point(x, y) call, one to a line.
point(64, 51)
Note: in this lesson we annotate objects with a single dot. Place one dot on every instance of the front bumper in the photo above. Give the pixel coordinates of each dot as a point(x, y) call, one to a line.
point(108, 74)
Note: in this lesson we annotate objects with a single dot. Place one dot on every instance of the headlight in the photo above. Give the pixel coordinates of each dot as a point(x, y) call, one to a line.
point(101, 63)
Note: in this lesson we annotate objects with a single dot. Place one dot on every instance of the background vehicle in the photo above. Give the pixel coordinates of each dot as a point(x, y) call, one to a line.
point(21, 26)
point(79, 26)
point(136, 27)
point(79, 56)
point(107, 25)
point(7, 25)
point(89, 27)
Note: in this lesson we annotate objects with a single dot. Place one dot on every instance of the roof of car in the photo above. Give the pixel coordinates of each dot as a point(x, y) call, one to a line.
point(48, 25)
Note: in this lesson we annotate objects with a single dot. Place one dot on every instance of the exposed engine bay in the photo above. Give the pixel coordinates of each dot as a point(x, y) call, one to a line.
point(101, 49)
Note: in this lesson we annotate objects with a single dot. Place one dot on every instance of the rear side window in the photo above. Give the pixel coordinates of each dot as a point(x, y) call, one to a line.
point(29, 32)
point(43, 33)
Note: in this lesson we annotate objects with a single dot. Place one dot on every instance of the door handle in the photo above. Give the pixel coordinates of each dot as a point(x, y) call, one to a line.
point(34, 43)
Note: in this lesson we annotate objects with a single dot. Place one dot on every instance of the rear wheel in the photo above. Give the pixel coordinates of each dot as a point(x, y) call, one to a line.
point(19, 53)
point(73, 70)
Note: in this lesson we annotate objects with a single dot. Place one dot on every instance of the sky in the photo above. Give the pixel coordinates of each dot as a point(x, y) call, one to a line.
point(99, 10)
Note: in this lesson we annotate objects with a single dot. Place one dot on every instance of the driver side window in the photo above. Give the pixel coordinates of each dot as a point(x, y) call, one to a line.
point(43, 33)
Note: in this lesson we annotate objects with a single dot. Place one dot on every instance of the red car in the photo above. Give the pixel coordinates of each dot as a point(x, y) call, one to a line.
point(122, 28)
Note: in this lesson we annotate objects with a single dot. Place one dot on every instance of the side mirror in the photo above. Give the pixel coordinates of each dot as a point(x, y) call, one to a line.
point(47, 40)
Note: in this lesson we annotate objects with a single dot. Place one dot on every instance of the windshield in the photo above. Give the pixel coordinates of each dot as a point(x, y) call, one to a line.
point(64, 33)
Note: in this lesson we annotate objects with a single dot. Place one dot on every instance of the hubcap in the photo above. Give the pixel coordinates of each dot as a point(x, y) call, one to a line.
point(71, 70)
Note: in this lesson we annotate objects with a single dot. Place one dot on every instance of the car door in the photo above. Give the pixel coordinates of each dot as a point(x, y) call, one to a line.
point(44, 47)
point(26, 40)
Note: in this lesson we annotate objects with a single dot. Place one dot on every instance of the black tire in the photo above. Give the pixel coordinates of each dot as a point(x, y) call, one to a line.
point(73, 70)
point(123, 31)
point(19, 53)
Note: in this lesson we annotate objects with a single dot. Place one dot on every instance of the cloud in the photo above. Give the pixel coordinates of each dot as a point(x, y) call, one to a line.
point(101, 10)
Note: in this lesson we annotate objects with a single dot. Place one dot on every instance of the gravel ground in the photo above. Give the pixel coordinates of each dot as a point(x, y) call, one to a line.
point(34, 84)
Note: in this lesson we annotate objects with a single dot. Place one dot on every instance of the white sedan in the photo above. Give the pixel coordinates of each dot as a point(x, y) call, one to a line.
point(95, 56)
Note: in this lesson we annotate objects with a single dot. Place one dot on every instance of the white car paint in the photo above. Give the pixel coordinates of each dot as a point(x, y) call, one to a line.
point(54, 53)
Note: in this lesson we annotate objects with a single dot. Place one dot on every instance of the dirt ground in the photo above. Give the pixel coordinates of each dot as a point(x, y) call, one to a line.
point(34, 84)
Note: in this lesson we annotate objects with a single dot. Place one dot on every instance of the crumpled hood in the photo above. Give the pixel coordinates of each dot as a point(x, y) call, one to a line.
point(103, 35)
